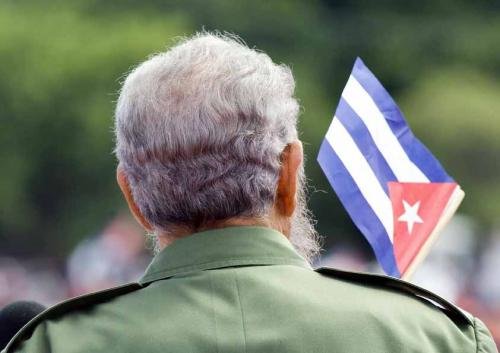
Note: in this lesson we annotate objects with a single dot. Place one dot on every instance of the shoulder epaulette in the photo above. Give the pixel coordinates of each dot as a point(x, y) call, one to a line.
point(70, 305)
point(452, 311)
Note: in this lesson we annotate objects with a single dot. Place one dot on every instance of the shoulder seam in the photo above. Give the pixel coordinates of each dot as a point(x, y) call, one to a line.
point(476, 338)
point(403, 286)
point(57, 309)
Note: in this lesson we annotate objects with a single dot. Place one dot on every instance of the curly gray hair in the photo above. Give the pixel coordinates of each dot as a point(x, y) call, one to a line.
point(200, 129)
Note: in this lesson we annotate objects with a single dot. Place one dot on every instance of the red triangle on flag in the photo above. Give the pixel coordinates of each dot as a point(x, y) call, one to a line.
point(416, 209)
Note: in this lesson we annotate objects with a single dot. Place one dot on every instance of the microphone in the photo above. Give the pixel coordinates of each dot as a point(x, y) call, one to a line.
point(14, 316)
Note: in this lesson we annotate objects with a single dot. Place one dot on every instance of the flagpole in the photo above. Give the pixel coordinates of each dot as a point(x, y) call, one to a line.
point(449, 211)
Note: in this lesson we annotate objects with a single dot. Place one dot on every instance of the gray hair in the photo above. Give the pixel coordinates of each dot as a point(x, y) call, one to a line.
point(200, 129)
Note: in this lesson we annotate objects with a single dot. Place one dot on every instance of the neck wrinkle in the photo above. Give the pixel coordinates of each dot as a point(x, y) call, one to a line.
point(166, 238)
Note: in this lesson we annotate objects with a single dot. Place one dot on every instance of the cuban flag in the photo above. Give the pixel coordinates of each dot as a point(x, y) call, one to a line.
point(396, 192)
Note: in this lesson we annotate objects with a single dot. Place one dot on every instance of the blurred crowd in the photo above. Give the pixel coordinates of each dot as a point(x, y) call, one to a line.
point(116, 256)
point(459, 268)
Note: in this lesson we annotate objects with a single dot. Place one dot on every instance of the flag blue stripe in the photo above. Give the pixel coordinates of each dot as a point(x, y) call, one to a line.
point(357, 207)
point(361, 136)
point(415, 150)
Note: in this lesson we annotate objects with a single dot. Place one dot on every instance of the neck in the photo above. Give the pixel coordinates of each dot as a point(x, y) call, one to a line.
point(177, 232)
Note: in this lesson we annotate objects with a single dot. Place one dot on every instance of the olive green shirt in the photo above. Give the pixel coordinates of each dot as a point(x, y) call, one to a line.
point(245, 289)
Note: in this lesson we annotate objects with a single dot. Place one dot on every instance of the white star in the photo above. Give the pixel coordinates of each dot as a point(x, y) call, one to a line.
point(410, 216)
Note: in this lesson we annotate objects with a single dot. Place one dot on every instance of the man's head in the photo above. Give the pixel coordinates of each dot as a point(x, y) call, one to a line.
point(207, 136)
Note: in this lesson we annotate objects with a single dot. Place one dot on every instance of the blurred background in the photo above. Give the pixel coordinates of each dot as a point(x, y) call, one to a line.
point(64, 228)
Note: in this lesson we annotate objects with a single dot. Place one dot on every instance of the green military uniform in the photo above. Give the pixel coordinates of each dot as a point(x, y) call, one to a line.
point(245, 289)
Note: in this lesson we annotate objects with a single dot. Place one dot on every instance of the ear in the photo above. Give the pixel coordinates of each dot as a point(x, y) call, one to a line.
point(291, 159)
point(122, 180)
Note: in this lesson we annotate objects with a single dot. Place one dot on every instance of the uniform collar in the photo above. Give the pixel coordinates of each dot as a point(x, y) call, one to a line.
point(225, 247)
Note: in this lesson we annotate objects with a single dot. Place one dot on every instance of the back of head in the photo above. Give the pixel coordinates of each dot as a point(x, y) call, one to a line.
point(200, 129)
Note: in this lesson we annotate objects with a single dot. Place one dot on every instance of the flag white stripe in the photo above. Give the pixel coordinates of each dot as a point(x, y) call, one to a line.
point(388, 145)
point(359, 169)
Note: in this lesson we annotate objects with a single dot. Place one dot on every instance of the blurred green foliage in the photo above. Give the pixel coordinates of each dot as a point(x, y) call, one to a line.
point(61, 63)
